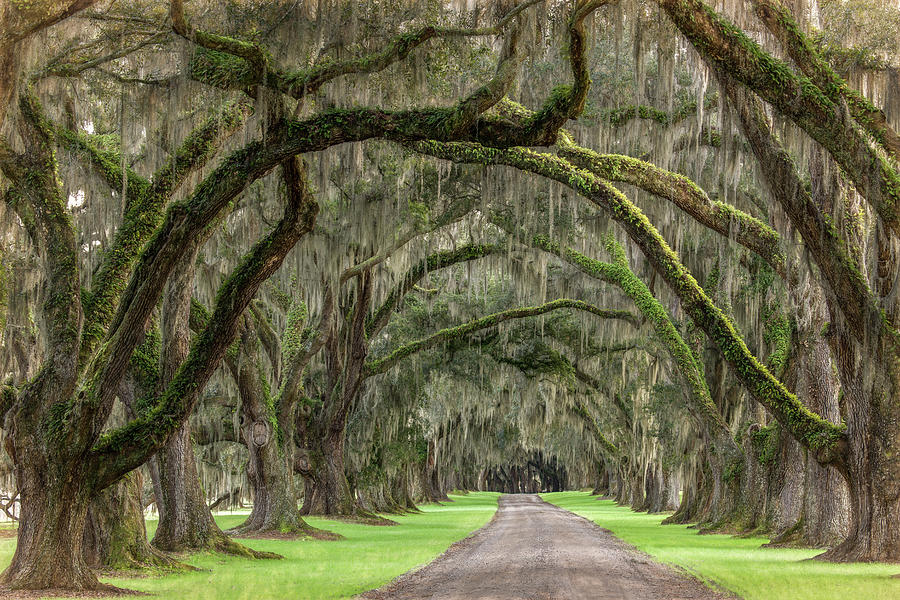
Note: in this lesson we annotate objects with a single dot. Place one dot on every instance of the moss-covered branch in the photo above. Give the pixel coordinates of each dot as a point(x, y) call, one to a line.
point(314, 340)
point(728, 48)
point(808, 428)
point(39, 201)
point(686, 195)
point(567, 101)
point(455, 212)
point(619, 274)
point(381, 365)
point(779, 20)
point(434, 262)
point(233, 64)
point(723, 218)
point(840, 270)
point(285, 139)
point(143, 214)
point(127, 447)
point(104, 161)
point(609, 449)
point(618, 117)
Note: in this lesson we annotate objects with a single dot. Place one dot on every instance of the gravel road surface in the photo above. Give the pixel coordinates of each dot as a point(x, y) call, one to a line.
point(537, 551)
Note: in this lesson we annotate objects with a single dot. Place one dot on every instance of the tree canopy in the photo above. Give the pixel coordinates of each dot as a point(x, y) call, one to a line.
point(338, 258)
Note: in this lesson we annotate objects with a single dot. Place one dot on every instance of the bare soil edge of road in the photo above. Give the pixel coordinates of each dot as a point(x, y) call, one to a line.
point(417, 577)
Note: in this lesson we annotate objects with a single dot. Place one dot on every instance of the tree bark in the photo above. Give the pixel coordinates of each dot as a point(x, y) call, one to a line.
point(50, 552)
point(115, 537)
point(431, 480)
point(185, 522)
point(873, 470)
point(271, 474)
point(327, 490)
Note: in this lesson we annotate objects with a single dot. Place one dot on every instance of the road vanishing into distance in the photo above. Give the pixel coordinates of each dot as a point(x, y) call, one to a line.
point(532, 550)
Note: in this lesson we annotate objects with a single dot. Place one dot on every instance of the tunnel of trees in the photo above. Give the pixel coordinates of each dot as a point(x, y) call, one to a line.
point(325, 257)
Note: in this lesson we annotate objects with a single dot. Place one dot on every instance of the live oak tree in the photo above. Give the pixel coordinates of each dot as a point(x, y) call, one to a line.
point(795, 180)
point(59, 415)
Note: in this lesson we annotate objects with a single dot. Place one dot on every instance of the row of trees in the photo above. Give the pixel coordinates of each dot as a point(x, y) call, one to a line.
point(349, 246)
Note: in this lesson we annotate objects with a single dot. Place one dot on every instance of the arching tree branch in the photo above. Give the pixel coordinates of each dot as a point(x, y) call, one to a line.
point(381, 365)
point(810, 429)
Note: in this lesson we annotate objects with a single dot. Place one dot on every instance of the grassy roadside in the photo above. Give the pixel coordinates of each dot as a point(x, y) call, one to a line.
point(737, 564)
point(369, 557)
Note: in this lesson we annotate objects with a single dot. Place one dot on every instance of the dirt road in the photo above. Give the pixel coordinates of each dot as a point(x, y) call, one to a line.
point(536, 551)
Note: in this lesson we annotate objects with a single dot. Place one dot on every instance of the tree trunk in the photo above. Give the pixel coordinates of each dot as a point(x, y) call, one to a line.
point(873, 467)
point(727, 510)
point(274, 496)
point(185, 522)
point(663, 499)
point(636, 490)
point(49, 552)
point(271, 474)
point(673, 489)
point(648, 485)
point(327, 490)
point(431, 480)
point(693, 501)
point(812, 502)
point(602, 486)
point(115, 537)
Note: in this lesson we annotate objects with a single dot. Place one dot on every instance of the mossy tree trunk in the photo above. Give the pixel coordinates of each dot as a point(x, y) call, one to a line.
point(275, 507)
point(873, 470)
point(663, 493)
point(321, 432)
point(115, 537)
point(50, 551)
point(61, 451)
point(185, 521)
point(327, 489)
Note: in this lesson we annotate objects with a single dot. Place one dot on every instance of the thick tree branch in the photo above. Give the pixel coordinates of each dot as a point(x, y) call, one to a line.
point(620, 274)
point(292, 386)
point(381, 365)
point(267, 337)
point(839, 269)
point(39, 202)
point(728, 48)
point(213, 68)
point(810, 429)
point(128, 447)
point(27, 18)
point(723, 218)
point(686, 195)
point(456, 211)
point(784, 27)
point(434, 262)
point(143, 214)
point(567, 101)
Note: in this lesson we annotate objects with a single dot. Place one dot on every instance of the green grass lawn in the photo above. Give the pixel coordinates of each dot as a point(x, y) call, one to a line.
point(369, 557)
point(738, 564)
